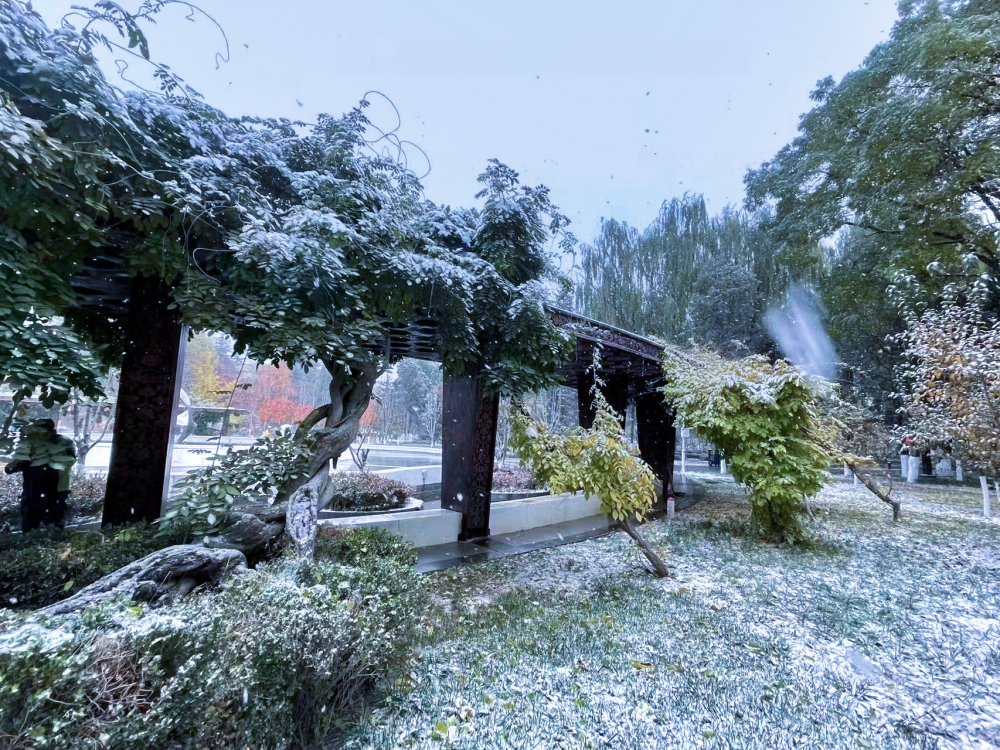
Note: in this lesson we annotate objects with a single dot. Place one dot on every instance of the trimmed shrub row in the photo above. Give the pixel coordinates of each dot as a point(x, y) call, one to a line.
point(364, 491)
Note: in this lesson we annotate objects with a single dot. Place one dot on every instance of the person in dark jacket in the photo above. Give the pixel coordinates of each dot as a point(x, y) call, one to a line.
point(47, 471)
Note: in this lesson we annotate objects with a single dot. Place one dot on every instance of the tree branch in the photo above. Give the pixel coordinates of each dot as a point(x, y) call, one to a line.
point(876, 489)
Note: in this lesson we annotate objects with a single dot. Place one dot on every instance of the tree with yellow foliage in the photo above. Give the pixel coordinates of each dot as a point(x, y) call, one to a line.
point(597, 461)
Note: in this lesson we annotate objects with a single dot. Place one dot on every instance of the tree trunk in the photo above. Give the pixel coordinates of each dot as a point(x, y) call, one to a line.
point(659, 566)
point(350, 393)
point(884, 495)
point(170, 571)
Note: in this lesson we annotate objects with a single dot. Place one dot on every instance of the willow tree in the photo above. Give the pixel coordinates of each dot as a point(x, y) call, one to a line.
point(688, 275)
point(642, 280)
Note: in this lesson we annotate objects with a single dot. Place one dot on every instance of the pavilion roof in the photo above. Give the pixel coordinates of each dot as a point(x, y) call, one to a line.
point(103, 284)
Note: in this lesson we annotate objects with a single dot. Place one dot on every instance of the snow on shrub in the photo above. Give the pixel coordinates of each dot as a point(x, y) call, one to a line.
point(365, 491)
point(274, 660)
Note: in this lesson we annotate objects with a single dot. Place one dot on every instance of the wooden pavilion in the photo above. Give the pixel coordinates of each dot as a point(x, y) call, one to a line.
point(149, 391)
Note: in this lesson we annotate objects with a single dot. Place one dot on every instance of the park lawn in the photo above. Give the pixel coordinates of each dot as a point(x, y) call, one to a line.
point(873, 635)
point(962, 498)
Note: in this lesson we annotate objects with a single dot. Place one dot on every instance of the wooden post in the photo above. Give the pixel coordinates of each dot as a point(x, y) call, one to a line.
point(585, 397)
point(985, 484)
point(145, 413)
point(614, 390)
point(657, 434)
point(468, 431)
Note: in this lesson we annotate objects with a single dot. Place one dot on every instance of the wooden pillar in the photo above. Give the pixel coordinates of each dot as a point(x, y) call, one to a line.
point(615, 391)
point(468, 432)
point(657, 433)
point(615, 388)
point(147, 398)
point(585, 398)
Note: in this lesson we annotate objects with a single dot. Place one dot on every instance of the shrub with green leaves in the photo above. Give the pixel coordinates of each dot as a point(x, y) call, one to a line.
point(273, 661)
point(597, 461)
point(514, 479)
point(364, 491)
point(48, 565)
point(10, 497)
point(360, 546)
point(264, 469)
point(86, 494)
point(764, 419)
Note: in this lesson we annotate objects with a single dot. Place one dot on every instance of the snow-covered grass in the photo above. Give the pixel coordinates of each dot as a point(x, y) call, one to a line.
point(871, 635)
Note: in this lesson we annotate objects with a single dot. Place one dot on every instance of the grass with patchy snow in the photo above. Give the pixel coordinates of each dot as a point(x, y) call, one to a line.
point(874, 634)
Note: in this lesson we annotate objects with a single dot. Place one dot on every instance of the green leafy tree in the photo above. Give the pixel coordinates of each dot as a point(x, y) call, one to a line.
point(41, 358)
point(356, 251)
point(202, 362)
point(861, 319)
point(104, 184)
point(301, 247)
point(727, 310)
point(905, 148)
point(160, 176)
point(764, 418)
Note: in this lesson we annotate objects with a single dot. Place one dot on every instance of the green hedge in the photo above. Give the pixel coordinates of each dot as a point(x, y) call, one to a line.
point(273, 661)
point(86, 497)
point(364, 491)
point(358, 546)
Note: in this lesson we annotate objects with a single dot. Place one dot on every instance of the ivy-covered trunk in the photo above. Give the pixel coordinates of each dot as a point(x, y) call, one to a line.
point(350, 393)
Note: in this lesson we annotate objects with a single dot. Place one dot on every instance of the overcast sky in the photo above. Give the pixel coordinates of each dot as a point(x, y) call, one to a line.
point(615, 106)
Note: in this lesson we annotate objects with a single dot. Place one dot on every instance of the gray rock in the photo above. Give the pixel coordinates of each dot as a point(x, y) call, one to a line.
point(248, 533)
point(167, 573)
